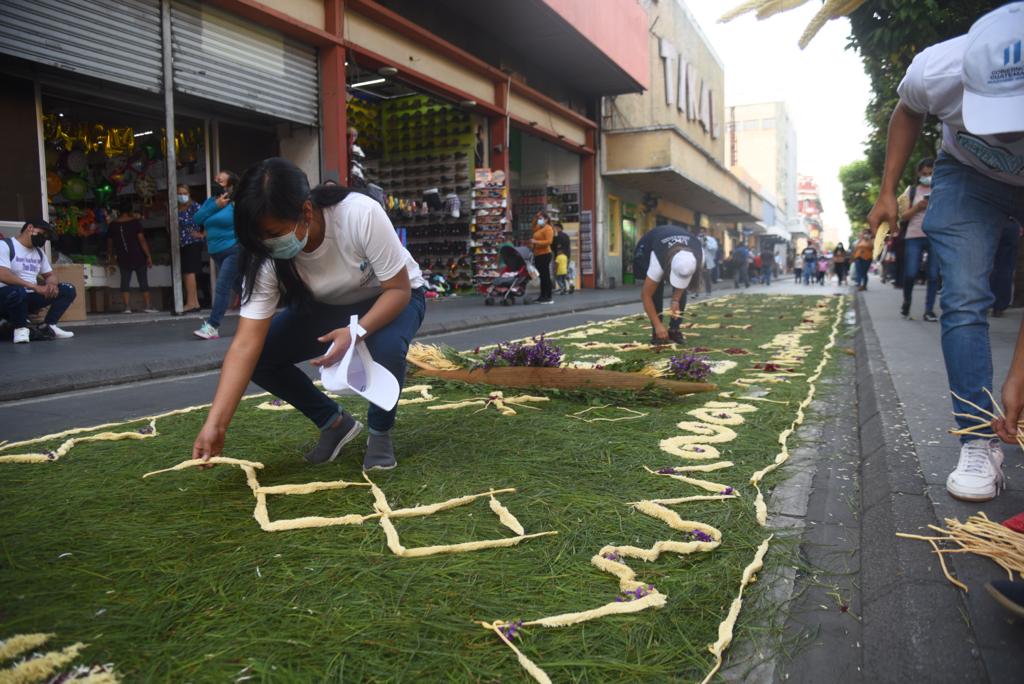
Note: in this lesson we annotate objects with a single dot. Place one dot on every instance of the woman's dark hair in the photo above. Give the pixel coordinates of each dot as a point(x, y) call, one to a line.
point(232, 179)
point(927, 161)
point(840, 248)
point(275, 188)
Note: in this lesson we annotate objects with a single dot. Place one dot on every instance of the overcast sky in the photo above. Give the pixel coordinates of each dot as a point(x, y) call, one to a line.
point(824, 87)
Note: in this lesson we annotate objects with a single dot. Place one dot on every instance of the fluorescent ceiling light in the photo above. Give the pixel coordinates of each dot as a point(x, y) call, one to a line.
point(139, 135)
point(363, 84)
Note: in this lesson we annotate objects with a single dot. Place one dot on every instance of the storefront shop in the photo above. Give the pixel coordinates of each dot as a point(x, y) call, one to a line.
point(103, 138)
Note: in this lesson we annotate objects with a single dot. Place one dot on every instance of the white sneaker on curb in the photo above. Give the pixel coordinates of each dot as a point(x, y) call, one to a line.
point(206, 332)
point(60, 333)
point(21, 335)
point(979, 474)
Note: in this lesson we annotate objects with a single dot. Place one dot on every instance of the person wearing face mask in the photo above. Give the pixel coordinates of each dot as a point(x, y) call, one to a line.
point(974, 84)
point(191, 243)
point(22, 264)
point(912, 206)
point(327, 254)
point(540, 243)
point(217, 219)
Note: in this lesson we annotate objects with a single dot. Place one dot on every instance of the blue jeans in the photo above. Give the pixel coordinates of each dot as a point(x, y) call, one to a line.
point(293, 337)
point(913, 251)
point(810, 268)
point(966, 219)
point(228, 283)
point(766, 275)
point(860, 272)
point(16, 303)
point(742, 275)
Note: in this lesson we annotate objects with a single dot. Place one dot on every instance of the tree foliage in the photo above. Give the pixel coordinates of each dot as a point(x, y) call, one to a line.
point(860, 190)
point(887, 34)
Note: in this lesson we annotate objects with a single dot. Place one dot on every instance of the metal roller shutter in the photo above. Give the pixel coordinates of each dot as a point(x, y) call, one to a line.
point(115, 40)
point(226, 59)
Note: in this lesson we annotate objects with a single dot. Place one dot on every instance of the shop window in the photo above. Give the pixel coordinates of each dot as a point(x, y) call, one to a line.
point(614, 226)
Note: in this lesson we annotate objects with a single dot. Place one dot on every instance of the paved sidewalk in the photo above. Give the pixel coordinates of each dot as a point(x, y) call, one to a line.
point(912, 624)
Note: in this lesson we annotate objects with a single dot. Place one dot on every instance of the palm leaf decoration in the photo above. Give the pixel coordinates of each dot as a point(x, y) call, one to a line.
point(832, 9)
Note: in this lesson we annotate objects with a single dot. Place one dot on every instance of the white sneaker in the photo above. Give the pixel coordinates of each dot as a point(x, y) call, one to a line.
point(206, 332)
point(151, 311)
point(21, 336)
point(60, 333)
point(979, 474)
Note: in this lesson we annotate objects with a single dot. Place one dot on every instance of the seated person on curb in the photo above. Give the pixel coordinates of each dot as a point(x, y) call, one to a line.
point(675, 253)
point(22, 263)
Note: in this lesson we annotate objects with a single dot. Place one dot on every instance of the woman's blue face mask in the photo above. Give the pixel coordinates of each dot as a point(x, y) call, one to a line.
point(286, 246)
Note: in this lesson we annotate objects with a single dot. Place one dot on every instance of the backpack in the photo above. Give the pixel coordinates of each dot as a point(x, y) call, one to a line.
point(10, 248)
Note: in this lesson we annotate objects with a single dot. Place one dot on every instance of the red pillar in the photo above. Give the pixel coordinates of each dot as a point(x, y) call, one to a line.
point(588, 195)
point(334, 118)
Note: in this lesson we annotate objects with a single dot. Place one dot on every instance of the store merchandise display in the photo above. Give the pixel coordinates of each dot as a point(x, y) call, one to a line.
point(419, 152)
point(490, 224)
point(560, 202)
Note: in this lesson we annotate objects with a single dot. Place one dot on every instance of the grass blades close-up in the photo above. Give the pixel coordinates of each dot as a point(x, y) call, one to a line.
point(172, 579)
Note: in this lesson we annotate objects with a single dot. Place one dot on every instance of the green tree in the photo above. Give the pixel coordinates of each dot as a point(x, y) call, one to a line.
point(860, 190)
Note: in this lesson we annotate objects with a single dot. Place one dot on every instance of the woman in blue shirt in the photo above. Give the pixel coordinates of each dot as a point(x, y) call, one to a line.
point(217, 218)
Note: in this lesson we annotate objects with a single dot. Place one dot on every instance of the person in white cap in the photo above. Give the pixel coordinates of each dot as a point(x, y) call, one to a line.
point(675, 253)
point(975, 85)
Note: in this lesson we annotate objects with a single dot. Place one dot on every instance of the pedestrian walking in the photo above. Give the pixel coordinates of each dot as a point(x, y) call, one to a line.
point(841, 264)
point(862, 254)
point(809, 262)
point(675, 254)
point(912, 205)
point(740, 259)
point(328, 254)
point(128, 249)
point(191, 243)
point(709, 269)
point(822, 269)
point(540, 243)
point(217, 219)
point(977, 191)
point(767, 261)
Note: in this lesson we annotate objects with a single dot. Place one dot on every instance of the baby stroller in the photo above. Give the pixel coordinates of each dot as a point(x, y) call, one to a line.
point(513, 279)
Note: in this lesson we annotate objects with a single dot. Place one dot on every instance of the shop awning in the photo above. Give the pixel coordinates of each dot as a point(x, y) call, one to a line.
point(779, 231)
point(660, 161)
point(594, 50)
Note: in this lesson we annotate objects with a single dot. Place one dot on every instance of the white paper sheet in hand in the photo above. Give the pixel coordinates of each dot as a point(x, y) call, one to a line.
point(358, 373)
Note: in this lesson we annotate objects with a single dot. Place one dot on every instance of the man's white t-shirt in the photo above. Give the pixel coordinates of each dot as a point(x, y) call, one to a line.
point(360, 249)
point(932, 85)
point(28, 262)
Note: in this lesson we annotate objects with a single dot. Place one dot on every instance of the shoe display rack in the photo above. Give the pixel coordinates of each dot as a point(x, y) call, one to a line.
point(489, 224)
point(560, 202)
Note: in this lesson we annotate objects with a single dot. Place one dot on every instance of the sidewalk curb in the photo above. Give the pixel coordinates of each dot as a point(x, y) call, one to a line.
point(913, 619)
point(57, 383)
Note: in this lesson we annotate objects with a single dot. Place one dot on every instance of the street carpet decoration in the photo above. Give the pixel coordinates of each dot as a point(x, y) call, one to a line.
point(382, 510)
point(698, 466)
point(34, 666)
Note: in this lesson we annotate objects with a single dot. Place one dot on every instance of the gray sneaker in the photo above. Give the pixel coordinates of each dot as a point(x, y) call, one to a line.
point(333, 438)
point(380, 454)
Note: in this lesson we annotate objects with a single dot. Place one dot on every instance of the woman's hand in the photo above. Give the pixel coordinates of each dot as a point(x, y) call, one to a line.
point(209, 443)
point(341, 338)
point(223, 200)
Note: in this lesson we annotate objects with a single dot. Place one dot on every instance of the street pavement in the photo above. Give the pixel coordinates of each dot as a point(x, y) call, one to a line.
point(856, 605)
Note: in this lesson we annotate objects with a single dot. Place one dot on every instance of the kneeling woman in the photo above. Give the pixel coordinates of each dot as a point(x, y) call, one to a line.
point(327, 254)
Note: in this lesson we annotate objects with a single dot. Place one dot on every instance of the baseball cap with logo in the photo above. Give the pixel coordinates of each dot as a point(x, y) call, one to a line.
point(684, 263)
point(993, 72)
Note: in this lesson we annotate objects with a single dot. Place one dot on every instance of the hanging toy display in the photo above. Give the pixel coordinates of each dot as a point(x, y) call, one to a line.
point(53, 183)
point(103, 192)
point(75, 161)
point(75, 188)
point(146, 188)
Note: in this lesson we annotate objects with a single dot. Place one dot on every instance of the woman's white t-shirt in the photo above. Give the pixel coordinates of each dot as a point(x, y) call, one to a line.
point(360, 249)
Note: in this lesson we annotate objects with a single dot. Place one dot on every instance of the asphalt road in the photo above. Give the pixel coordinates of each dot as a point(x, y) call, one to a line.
point(27, 418)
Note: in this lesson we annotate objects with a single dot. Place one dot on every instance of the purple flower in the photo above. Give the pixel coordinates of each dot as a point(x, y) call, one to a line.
point(540, 354)
point(146, 430)
point(699, 450)
point(51, 455)
point(727, 491)
point(722, 415)
point(611, 555)
point(510, 629)
point(701, 536)
point(277, 402)
point(666, 471)
point(689, 367)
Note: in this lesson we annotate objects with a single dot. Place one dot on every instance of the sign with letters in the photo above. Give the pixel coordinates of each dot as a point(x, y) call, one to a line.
point(687, 91)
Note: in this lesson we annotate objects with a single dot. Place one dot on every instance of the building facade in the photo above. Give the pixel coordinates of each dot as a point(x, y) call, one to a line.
point(663, 151)
point(121, 101)
point(761, 143)
point(809, 208)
